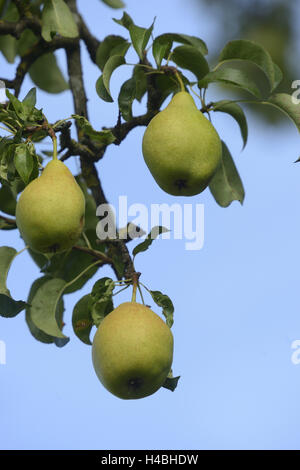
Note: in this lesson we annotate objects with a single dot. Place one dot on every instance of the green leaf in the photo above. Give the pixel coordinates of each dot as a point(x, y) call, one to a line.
point(102, 85)
point(26, 42)
point(161, 48)
point(197, 43)
point(231, 76)
point(9, 307)
point(101, 90)
point(7, 254)
point(23, 162)
point(155, 232)
point(125, 21)
point(140, 37)
point(108, 48)
point(8, 44)
point(141, 82)
point(36, 333)
point(44, 307)
point(242, 49)
point(190, 58)
point(7, 200)
point(82, 320)
point(226, 185)
point(237, 113)
point(171, 382)
point(18, 107)
point(101, 303)
point(166, 304)
point(57, 18)
point(30, 100)
point(8, 47)
point(6, 226)
point(126, 97)
point(284, 103)
point(105, 137)
point(46, 74)
point(114, 3)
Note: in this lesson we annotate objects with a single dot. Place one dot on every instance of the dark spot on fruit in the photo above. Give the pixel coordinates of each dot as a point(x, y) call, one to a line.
point(135, 383)
point(53, 248)
point(181, 184)
point(81, 221)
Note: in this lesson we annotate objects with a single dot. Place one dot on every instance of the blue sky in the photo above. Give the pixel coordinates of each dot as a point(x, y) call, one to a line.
point(236, 300)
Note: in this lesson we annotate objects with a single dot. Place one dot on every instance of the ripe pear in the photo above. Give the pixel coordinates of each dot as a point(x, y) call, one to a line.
point(50, 211)
point(181, 147)
point(132, 351)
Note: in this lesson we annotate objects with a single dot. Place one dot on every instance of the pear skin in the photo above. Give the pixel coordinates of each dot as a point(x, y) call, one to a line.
point(132, 351)
point(181, 147)
point(50, 211)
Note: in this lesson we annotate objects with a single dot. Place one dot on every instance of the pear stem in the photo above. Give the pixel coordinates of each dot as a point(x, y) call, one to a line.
point(54, 140)
point(182, 88)
point(135, 282)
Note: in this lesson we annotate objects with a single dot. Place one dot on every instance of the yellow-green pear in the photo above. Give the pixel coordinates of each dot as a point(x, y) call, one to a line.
point(181, 147)
point(50, 211)
point(132, 351)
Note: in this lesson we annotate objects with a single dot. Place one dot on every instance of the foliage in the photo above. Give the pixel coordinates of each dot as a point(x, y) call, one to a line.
point(32, 32)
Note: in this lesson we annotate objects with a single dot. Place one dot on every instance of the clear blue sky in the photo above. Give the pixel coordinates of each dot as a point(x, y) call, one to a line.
point(236, 300)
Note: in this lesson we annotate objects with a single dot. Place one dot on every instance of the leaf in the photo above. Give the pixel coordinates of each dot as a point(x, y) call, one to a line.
point(141, 82)
point(165, 302)
point(105, 137)
point(8, 44)
point(101, 303)
point(242, 49)
point(284, 102)
point(231, 76)
point(102, 85)
point(125, 21)
point(30, 101)
point(57, 18)
point(9, 307)
point(36, 333)
point(171, 382)
point(190, 58)
point(155, 232)
point(237, 113)
point(140, 37)
point(18, 107)
point(44, 307)
point(161, 48)
point(107, 47)
point(114, 3)
point(183, 39)
point(23, 162)
point(82, 320)
point(46, 74)
point(8, 47)
point(126, 97)
point(7, 254)
point(226, 185)
point(7, 200)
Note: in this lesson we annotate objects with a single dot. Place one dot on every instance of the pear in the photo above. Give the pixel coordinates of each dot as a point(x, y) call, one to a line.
point(132, 351)
point(181, 147)
point(50, 211)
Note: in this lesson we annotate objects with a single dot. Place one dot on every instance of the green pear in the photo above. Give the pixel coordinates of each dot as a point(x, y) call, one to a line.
point(132, 351)
point(50, 211)
point(181, 147)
